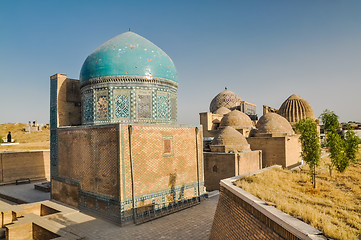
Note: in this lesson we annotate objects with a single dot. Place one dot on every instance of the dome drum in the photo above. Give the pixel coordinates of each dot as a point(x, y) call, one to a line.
point(129, 103)
point(128, 79)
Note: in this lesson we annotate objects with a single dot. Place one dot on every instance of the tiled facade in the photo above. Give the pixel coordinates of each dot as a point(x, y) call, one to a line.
point(131, 102)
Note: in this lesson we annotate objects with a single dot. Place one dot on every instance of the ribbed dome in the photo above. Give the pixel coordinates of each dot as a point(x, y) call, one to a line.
point(227, 99)
point(229, 136)
point(237, 120)
point(128, 55)
point(222, 111)
point(272, 123)
point(296, 108)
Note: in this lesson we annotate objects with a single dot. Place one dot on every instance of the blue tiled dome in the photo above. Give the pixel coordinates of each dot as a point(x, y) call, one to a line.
point(128, 54)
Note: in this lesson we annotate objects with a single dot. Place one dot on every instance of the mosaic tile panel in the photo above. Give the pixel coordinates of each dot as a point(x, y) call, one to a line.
point(122, 106)
point(102, 107)
point(162, 107)
point(53, 103)
point(53, 126)
point(88, 112)
point(138, 103)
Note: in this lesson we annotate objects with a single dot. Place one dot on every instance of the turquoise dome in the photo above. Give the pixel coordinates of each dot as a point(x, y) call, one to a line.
point(128, 54)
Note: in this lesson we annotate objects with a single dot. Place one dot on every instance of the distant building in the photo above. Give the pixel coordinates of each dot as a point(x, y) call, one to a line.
point(33, 127)
point(222, 104)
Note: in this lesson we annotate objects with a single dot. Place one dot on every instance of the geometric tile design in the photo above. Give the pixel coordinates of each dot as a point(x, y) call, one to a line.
point(122, 106)
point(138, 103)
point(102, 107)
point(225, 99)
point(88, 109)
point(162, 107)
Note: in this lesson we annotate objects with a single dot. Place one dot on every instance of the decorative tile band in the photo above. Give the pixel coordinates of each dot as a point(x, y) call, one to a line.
point(141, 103)
point(129, 79)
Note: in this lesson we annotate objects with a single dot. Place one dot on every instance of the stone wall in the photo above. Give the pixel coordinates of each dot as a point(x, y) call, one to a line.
point(240, 215)
point(30, 164)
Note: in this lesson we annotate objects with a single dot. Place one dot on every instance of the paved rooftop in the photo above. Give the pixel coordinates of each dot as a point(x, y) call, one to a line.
point(23, 193)
point(191, 223)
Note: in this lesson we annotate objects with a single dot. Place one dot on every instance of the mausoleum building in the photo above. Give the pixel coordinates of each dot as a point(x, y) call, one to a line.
point(116, 148)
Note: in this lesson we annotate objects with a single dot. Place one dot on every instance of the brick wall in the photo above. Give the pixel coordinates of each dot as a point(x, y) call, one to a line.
point(31, 164)
point(68, 101)
point(273, 149)
point(234, 221)
point(96, 163)
point(167, 163)
point(284, 151)
point(293, 151)
point(240, 215)
point(218, 166)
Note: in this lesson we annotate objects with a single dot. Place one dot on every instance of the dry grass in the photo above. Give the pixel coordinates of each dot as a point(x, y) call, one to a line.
point(334, 207)
point(27, 141)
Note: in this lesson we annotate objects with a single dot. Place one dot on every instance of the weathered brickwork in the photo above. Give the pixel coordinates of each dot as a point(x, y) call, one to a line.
point(30, 164)
point(218, 166)
point(235, 219)
point(160, 178)
point(165, 163)
point(283, 150)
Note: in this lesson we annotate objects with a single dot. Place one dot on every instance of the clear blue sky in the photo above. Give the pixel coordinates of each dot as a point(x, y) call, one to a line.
point(262, 50)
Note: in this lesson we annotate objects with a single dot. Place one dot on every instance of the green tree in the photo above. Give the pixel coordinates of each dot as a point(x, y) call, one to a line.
point(330, 121)
point(311, 149)
point(351, 144)
point(342, 151)
point(337, 154)
point(334, 141)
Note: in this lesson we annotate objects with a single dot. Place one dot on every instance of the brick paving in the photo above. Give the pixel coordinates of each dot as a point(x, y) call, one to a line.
point(192, 223)
point(23, 193)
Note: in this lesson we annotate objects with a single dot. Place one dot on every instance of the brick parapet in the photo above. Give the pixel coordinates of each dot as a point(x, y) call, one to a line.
point(240, 215)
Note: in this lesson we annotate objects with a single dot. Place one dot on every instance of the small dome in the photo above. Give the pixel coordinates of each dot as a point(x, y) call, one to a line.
point(272, 123)
point(237, 120)
point(128, 55)
point(229, 136)
point(225, 99)
point(296, 108)
point(222, 111)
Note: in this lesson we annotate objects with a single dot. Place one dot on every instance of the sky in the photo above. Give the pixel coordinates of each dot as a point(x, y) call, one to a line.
point(264, 51)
